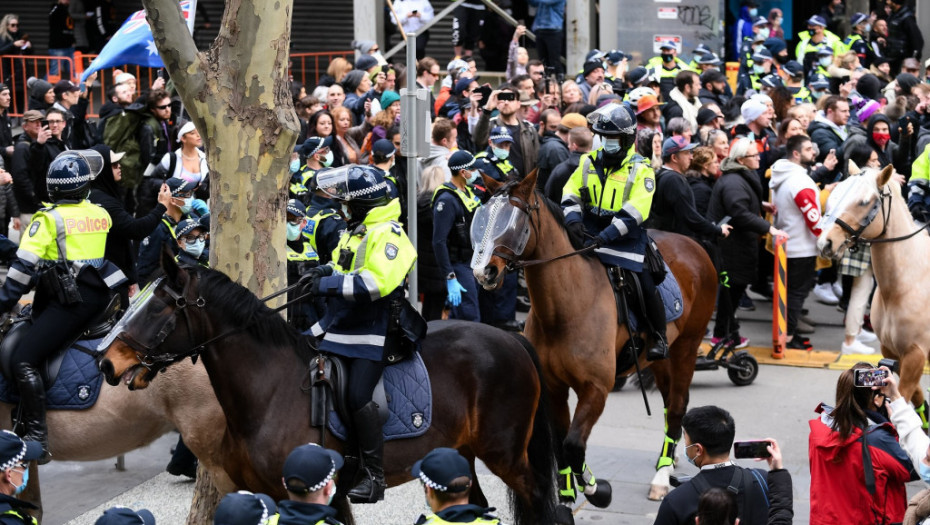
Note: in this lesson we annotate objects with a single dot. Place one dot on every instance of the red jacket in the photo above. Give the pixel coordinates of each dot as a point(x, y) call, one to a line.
point(838, 491)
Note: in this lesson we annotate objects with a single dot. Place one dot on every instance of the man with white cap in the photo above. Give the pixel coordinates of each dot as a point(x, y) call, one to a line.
point(446, 478)
point(308, 478)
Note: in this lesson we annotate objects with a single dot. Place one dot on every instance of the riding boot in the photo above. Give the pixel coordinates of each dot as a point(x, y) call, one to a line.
point(32, 407)
point(371, 444)
point(655, 311)
point(183, 461)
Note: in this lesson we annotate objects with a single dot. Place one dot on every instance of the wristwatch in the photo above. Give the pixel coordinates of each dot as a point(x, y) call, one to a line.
point(450, 276)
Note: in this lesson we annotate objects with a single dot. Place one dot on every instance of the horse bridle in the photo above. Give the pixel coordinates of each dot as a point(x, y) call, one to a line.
point(514, 264)
point(854, 235)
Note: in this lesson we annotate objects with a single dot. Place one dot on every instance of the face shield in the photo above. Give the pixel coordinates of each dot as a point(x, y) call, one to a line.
point(147, 322)
point(334, 183)
point(92, 157)
point(853, 192)
point(498, 224)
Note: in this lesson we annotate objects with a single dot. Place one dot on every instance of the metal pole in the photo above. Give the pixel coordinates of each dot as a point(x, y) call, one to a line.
point(412, 175)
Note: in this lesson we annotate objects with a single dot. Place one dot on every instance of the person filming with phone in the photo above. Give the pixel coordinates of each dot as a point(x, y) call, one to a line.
point(858, 467)
point(762, 497)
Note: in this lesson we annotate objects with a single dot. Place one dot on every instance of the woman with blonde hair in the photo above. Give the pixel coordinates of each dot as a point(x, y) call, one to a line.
point(336, 71)
point(431, 281)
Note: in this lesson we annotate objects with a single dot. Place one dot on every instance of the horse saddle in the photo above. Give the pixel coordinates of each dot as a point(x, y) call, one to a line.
point(77, 357)
point(403, 396)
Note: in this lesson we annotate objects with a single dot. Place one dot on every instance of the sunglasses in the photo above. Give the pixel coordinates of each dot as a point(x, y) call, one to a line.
point(166, 106)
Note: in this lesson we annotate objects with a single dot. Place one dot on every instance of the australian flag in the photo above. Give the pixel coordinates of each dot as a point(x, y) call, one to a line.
point(133, 43)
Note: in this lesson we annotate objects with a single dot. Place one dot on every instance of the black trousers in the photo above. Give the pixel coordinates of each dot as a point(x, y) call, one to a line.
point(727, 299)
point(363, 376)
point(433, 305)
point(549, 46)
point(55, 324)
point(801, 274)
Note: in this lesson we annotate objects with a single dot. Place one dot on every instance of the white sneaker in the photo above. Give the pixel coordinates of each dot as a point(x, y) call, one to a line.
point(856, 348)
point(838, 289)
point(824, 294)
point(866, 336)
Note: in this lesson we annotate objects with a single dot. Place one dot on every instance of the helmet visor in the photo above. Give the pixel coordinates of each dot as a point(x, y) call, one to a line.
point(93, 158)
point(334, 183)
point(498, 224)
point(143, 327)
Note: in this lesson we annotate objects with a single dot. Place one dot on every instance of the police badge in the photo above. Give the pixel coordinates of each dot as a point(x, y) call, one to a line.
point(83, 392)
point(390, 251)
point(417, 419)
point(650, 184)
point(34, 228)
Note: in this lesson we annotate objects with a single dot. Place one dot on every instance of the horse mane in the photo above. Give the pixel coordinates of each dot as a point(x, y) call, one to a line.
point(241, 308)
point(556, 211)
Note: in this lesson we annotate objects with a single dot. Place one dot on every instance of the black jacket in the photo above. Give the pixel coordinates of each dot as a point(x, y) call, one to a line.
point(707, 96)
point(430, 278)
point(904, 37)
point(552, 151)
point(673, 208)
point(297, 513)
point(701, 187)
point(738, 193)
point(560, 175)
point(21, 170)
point(681, 504)
point(41, 157)
point(8, 503)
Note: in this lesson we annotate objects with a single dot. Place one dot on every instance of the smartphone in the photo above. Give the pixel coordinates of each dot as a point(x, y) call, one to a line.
point(869, 377)
point(507, 95)
point(751, 449)
point(485, 91)
point(724, 220)
point(43, 123)
point(161, 73)
point(414, 11)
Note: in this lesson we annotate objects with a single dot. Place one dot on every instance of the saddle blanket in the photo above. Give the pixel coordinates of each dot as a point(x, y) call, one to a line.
point(670, 292)
point(77, 386)
point(410, 401)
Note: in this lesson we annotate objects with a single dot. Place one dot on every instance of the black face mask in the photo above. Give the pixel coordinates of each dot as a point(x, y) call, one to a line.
point(782, 59)
point(667, 58)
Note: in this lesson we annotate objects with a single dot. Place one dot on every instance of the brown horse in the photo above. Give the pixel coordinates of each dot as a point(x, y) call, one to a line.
point(122, 421)
point(868, 210)
point(487, 391)
point(573, 325)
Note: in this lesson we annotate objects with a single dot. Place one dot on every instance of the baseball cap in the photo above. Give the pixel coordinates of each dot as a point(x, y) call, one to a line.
point(772, 81)
point(638, 76)
point(244, 508)
point(817, 20)
point(125, 516)
point(616, 56)
point(186, 226)
point(313, 145)
point(116, 156)
point(32, 115)
point(595, 54)
point(647, 102)
point(825, 51)
point(573, 120)
point(123, 78)
point(500, 134)
point(709, 58)
point(65, 86)
point(296, 208)
point(461, 160)
point(438, 469)
point(702, 49)
point(706, 116)
point(713, 75)
point(14, 450)
point(794, 68)
point(311, 464)
point(178, 185)
point(461, 85)
point(383, 149)
point(676, 144)
point(668, 45)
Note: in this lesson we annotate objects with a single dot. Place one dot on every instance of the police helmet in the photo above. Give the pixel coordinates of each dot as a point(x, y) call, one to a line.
point(614, 120)
point(70, 174)
point(354, 184)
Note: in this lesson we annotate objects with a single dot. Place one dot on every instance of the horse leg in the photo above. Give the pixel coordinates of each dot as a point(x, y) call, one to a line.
point(591, 401)
point(912, 368)
point(476, 495)
point(561, 420)
point(675, 396)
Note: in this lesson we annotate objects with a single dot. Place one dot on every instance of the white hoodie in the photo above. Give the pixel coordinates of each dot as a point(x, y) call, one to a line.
point(798, 203)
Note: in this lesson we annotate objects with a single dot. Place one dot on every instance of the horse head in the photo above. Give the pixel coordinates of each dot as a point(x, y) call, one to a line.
point(500, 230)
point(144, 341)
point(856, 210)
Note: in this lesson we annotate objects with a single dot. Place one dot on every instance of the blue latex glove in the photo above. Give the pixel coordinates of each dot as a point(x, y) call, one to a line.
point(200, 207)
point(455, 289)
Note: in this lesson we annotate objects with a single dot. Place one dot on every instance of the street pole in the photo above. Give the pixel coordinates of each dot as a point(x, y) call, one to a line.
point(411, 154)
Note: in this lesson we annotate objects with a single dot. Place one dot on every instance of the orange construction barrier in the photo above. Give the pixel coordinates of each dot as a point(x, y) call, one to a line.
point(307, 68)
point(18, 68)
point(779, 301)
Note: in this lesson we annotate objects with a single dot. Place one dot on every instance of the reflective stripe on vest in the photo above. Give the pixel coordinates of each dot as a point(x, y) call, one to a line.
point(589, 169)
point(436, 520)
point(26, 518)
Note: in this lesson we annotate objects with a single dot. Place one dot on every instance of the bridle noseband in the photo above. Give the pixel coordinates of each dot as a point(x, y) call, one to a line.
point(854, 236)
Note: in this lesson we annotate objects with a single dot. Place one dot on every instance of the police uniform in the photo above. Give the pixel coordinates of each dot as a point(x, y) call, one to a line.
point(301, 257)
point(308, 468)
point(453, 210)
point(63, 247)
point(800, 94)
point(666, 75)
point(805, 45)
point(14, 451)
point(148, 264)
point(185, 258)
point(365, 284)
point(497, 169)
point(461, 514)
point(15, 511)
point(918, 198)
point(439, 470)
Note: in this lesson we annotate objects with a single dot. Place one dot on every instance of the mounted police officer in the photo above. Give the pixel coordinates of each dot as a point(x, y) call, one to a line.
point(15, 454)
point(364, 293)
point(454, 205)
point(63, 250)
point(446, 478)
point(606, 201)
point(308, 477)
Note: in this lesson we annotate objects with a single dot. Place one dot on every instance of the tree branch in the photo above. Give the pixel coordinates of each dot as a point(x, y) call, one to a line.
point(176, 47)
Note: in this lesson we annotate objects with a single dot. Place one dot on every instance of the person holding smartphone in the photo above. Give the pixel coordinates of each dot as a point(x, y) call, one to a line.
point(849, 484)
point(413, 14)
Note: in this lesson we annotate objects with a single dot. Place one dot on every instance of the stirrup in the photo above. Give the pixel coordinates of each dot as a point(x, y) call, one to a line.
point(369, 490)
point(659, 350)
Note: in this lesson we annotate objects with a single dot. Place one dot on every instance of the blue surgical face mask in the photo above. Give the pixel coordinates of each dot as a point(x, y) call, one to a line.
point(753, 12)
point(346, 212)
point(195, 249)
point(500, 153)
point(472, 177)
point(187, 206)
point(924, 471)
point(295, 166)
point(826, 61)
point(327, 160)
point(611, 145)
point(332, 494)
point(757, 69)
point(20, 488)
point(293, 231)
point(689, 458)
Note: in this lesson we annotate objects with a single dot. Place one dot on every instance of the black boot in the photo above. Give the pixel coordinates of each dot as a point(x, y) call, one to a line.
point(371, 442)
point(32, 407)
point(183, 461)
point(655, 312)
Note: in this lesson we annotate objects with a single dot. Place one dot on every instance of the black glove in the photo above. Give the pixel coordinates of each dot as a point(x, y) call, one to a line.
point(576, 233)
point(310, 281)
point(592, 241)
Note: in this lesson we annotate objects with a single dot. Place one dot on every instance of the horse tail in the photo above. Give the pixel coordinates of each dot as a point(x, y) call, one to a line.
point(541, 455)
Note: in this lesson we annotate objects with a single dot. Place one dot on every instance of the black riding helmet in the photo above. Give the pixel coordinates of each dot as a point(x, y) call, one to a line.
point(359, 187)
point(615, 121)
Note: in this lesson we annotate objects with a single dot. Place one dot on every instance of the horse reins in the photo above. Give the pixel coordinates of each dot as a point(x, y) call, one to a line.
point(512, 262)
point(855, 234)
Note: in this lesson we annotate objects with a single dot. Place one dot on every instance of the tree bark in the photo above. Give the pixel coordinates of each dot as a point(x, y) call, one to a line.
point(238, 95)
point(206, 498)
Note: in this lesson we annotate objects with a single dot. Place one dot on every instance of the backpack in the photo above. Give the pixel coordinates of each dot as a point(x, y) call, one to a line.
point(741, 484)
point(121, 134)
